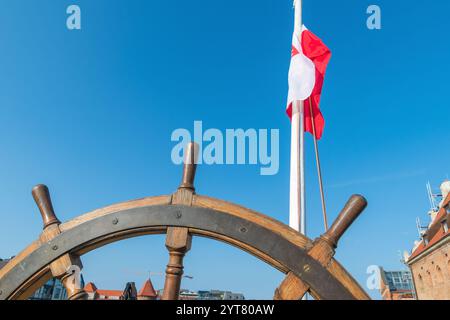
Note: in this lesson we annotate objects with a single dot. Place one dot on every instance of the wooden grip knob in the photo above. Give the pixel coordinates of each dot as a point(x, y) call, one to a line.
point(190, 166)
point(42, 197)
point(353, 208)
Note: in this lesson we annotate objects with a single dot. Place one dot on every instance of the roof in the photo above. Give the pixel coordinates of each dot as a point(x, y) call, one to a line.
point(110, 293)
point(147, 290)
point(435, 232)
point(90, 287)
point(442, 212)
point(440, 235)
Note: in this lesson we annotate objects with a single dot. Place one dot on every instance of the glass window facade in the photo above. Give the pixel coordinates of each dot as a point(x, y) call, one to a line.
point(399, 280)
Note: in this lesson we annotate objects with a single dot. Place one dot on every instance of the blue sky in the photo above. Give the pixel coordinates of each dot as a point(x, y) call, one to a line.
point(90, 113)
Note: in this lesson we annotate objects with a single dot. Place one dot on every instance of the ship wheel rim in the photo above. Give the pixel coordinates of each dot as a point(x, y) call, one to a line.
point(283, 249)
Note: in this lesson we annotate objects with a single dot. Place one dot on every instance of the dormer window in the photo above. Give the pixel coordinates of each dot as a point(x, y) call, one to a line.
point(425, 239)
point(444, 225)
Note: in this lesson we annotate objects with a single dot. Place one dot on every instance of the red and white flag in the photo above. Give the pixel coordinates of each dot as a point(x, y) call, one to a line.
point(309, 61)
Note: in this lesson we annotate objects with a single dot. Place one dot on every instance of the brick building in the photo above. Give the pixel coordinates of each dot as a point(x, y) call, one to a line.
point(429, 261)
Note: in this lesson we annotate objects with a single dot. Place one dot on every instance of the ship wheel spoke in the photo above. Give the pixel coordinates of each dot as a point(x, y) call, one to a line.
point(178, 242)
point(66, 268)
point(323, 250)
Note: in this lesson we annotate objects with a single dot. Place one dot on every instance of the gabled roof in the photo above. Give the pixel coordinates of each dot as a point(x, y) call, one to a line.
point(440, 235)
point(435, 232)
point(90, 287)
point(147, 290)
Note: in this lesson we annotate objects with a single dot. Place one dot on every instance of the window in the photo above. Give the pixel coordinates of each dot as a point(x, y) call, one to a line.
point(445, 225)
point(399, 280)
point(439, 275)
point(429, 279)
point(57, 294)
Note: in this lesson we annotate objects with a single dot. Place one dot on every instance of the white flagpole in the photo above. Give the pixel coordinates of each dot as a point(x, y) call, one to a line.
point(297, 218)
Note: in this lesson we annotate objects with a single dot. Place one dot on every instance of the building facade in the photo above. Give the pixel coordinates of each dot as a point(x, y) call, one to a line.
point(206, 295)
point(429, 261)
point(129, 293)
point(219, 295)
point(188, 295)
point(52, 290)
point(396, 285)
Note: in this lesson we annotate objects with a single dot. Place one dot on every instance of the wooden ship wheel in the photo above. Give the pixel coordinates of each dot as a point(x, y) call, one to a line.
point(308, 264)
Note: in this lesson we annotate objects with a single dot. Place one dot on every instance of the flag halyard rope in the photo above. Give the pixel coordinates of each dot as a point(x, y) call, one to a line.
point(319, 171)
